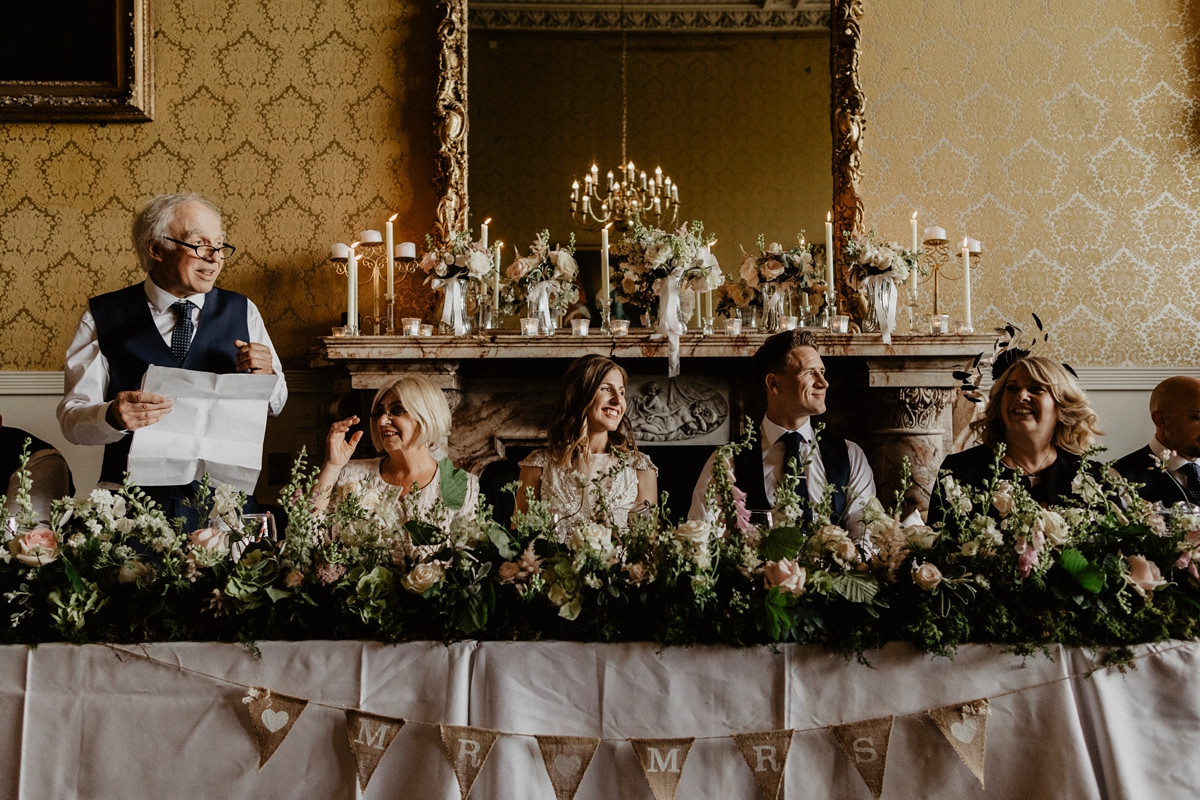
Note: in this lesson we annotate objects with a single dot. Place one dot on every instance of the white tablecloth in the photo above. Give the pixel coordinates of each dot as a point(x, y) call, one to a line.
point(81, 722)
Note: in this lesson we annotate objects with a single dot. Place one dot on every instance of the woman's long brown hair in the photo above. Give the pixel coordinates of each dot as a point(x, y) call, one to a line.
point(568, 431)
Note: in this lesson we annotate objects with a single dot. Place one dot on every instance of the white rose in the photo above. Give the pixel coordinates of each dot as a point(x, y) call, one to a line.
point(423, 577)
point(693, 531)
point(565, 267)
point(1055, 528)
point(1002, 499)
point(658, 254)
point(479, 265)
point(920, 536)
point(927, 576)
point(591, 535)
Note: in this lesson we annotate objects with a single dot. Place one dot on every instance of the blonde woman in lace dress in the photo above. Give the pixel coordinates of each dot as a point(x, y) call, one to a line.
point(590, 437)
point(408, 417)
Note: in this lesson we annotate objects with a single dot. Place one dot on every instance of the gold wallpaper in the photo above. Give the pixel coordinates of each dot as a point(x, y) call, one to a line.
point(306, 122)
point(740, 122)
point(1064, 136)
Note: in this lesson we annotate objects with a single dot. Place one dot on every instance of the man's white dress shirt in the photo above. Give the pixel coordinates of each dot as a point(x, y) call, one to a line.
point(85, 375)
point(1174, 463)
point(861, 486)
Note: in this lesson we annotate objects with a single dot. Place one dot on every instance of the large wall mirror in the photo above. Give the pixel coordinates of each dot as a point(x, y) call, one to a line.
point(749, 106)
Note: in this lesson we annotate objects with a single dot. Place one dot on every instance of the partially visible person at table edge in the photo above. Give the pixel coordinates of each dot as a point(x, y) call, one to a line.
point(49, 475)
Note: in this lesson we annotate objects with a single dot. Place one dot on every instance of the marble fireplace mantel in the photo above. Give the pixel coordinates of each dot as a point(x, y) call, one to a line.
point(895, 400)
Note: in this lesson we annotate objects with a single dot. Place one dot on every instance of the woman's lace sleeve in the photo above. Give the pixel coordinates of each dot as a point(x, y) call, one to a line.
point(538, 458)
point(641, 461)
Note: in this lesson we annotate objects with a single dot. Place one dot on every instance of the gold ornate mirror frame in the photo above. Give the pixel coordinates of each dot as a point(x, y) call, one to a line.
point(847, 121)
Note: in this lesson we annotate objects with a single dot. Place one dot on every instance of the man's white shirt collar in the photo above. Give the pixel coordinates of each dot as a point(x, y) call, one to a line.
point(772, 432)
point(162, 300)
point(1175, 462)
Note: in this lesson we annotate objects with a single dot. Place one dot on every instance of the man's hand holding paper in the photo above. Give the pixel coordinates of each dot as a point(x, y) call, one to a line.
point(132, 410)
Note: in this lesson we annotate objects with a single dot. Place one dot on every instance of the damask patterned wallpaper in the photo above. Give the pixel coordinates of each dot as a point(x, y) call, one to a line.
point(306, 122)
point(1062, 135)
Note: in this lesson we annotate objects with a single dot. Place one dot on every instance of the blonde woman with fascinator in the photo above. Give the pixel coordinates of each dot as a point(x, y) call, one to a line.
point(408, 418)
point(589, 438)
point(1041, 415)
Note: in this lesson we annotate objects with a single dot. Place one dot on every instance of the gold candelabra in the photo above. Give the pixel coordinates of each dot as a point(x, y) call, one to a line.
point(941, 266)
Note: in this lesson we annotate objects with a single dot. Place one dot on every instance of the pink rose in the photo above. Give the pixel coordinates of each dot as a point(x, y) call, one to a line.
point(210, 539)
point(771, 269)
point(508, 572)
point(787, 575)
point(637, 573)
point(519, 268)
point(35, 548)
point(1143, 575)
point(429, 261)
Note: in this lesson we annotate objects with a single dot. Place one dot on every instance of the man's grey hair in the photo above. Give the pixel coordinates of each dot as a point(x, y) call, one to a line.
point(152, 222)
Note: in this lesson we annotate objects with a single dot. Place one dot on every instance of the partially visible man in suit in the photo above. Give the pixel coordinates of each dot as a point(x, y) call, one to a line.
point(175, 318)
point(1175, 411)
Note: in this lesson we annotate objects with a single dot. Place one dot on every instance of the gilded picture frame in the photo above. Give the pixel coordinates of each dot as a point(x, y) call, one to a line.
point(127, 96)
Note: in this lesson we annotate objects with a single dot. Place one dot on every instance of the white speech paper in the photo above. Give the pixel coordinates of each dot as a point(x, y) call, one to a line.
point(217, 425)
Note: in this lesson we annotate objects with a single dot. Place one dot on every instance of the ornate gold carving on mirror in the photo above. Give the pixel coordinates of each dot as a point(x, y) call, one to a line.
point(451, 119)
point(848, 122)
point(847, 119)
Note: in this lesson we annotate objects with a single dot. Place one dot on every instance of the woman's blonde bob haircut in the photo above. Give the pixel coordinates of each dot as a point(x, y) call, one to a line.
point(423, 401)
point(1077, 426)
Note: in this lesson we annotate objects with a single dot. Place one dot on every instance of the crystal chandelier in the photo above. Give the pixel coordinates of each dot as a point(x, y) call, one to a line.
point(630, 196)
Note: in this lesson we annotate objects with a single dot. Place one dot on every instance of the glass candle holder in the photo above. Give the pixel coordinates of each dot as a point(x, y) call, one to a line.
point(733, 327)
point(579, 327)
point(620, 327)
point(789, 323)
point(939, 323)
point(410, 326)
point(839, 324)
point(338, 330)
point(707, 326)
point(427, 330)
point(529, 326)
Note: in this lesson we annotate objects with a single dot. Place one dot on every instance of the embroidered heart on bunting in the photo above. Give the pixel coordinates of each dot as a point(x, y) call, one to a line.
point(662, 762)
point(370, 736)
point(866, 744)
point(766, 753)
point(965, 728)
point(467, 749)
point(271, 717)
point(567, 759)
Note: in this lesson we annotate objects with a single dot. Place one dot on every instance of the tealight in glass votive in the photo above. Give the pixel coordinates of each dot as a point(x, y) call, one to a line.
point(620, 327)
point(939, 323)
point(733, 327)
point(789, 323)
point(427, 330)
point(410, 326)
point(839, 324)
point(529, 326)
point(338, 330)
point(579, 327)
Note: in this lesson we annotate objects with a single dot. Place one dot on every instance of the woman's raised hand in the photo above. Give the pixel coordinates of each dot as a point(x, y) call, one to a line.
point(339, 449)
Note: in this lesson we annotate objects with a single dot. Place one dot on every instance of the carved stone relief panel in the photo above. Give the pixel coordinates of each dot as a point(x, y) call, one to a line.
point(678, 411)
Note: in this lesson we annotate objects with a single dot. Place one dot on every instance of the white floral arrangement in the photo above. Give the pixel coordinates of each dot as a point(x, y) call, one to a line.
point(792, 268)
point(544, 279)
point(869, 258)
point(649, 259)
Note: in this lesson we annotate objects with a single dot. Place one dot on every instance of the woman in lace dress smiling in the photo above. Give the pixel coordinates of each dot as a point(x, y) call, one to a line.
point(589, 438)
point(408, 418)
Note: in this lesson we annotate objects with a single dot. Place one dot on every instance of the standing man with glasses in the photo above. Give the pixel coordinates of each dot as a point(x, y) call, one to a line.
point(175, 318)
